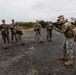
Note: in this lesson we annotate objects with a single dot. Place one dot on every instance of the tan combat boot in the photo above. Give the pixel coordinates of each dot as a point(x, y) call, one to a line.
point(69, 62)
point(5, 46)
point(62, 57)
point(9, 44)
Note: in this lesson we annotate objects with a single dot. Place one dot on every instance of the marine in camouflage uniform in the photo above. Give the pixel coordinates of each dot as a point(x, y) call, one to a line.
point(49, 31)
point(5, 34)
point(68, 40)
point(37, 31)
point(19, 33)
point(13, 32)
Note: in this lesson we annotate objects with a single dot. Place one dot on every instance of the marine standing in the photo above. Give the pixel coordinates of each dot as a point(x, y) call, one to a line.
point(68, 40)
point(37, 31)
point(5, 34)
point(13, 32)
point(49, 31)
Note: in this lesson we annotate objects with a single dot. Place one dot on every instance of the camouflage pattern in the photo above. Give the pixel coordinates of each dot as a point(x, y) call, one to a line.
point(68, 47)
point(36, 36)
point(5, 35)
point(68, 41)
point(18, 34)
point(37, 32)
point(49, 31)
point(13, 32)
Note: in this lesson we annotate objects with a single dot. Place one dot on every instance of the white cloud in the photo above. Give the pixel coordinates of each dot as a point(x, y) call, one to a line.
point(30, 10)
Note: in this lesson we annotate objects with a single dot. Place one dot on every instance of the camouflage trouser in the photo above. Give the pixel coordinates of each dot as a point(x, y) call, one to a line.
point(5, 38)
point(13, 35)
point(49, 34)
point(68, 47)
point(37, 36)
point(19, 38)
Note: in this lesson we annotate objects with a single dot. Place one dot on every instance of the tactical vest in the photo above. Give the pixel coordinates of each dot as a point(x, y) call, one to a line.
point(4, 29)
point(70, 32)
point(37, 28)
point(12, 27)
point(49, 27)
point(18, 30)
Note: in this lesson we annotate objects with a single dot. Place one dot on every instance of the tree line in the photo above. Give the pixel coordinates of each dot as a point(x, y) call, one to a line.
point(42, 22)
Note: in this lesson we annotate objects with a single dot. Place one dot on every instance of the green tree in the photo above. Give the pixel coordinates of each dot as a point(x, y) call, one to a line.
point(43, 23)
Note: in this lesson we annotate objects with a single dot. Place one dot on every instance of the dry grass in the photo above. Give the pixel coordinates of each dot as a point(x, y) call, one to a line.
point(26, 29)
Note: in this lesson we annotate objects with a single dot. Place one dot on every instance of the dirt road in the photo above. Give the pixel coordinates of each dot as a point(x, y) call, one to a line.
point(35, 58)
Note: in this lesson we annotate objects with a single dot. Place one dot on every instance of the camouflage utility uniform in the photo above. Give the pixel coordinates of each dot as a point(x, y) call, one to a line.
point(37, 34)
point(49, 31)
point(68, 41)
point(18, 34)
point(5, 35)
point(13, 32)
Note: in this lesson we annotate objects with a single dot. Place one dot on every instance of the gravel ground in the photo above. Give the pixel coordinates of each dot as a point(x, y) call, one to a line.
point(35, 58)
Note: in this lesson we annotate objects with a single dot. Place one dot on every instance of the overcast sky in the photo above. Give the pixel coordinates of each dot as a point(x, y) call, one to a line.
point(31, 10)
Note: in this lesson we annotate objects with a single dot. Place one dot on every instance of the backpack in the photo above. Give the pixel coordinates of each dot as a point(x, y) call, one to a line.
point(74, 31)
point(4, 29)
point(71, 31)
